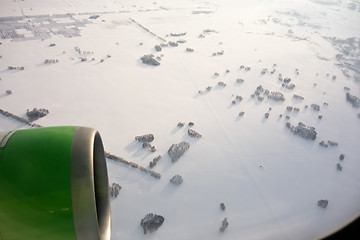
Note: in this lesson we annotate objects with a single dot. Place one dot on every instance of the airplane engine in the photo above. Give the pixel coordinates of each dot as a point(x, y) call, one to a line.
point(53, 185)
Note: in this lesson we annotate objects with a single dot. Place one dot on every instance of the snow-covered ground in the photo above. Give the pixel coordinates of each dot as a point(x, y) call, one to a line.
point(269, 179)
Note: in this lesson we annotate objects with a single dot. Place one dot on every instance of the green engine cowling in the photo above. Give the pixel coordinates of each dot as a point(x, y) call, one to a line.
point(53, 185)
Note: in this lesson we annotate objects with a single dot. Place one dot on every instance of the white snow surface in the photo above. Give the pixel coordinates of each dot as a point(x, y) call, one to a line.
point(269, 179)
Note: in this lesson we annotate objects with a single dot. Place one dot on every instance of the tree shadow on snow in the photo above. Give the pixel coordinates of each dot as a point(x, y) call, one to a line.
point(3, 95)
point(137, 150)
point(176, 129)
point(169, 190)
point(166, 163)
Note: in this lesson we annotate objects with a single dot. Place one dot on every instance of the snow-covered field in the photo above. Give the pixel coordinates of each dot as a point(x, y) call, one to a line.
point(269, 179)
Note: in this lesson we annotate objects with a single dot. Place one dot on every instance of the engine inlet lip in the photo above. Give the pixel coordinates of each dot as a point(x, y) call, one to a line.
point(89, 186)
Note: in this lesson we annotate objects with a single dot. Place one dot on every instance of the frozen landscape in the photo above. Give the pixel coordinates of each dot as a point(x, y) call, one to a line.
point(229, 119)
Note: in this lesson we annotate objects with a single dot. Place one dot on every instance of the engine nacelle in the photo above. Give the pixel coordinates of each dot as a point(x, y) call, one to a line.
point(53, 185)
